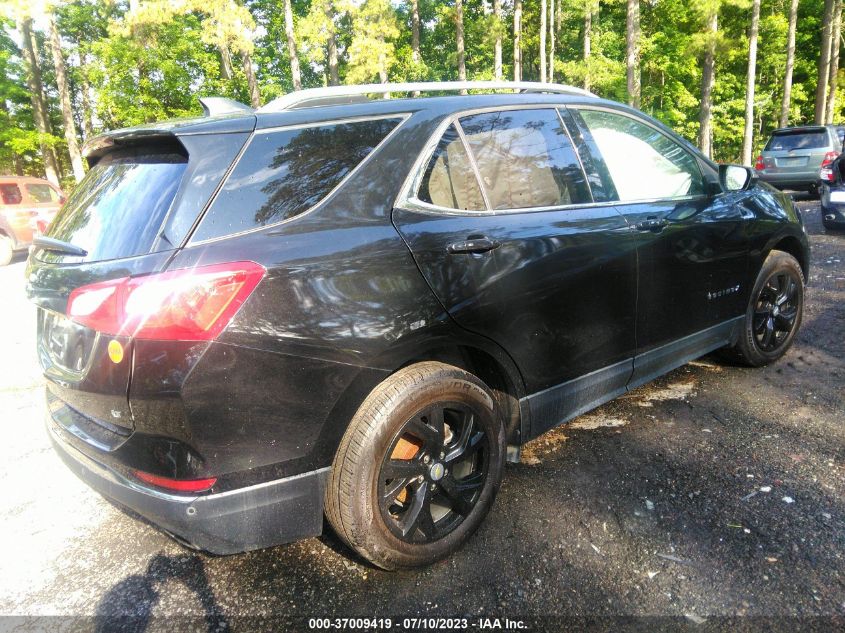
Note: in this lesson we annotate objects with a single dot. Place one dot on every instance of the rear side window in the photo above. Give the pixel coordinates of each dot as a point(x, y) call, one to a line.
point(285, 173)
point(449, 180)
point(10, 193)
point(798, 139)
point(42, 193)
point(118, 208)
point(525, 159)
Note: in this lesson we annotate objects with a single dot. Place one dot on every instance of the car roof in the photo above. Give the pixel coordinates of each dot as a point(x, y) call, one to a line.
point(314, 106)
point(324, 104)
point(802, 128)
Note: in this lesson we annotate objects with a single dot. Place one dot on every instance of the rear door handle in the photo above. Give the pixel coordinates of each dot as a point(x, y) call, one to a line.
point(652, 223)
point(474, 245)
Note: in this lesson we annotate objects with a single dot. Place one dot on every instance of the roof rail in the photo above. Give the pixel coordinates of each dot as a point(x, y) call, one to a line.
point(334, 95)
point(212, 106)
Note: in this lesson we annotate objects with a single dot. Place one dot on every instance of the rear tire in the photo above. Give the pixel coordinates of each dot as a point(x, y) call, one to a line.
point(391, 496)
point(774, 312)
point(7, 250)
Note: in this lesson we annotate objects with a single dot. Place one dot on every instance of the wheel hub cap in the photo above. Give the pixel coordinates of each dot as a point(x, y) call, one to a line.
point(436, 471)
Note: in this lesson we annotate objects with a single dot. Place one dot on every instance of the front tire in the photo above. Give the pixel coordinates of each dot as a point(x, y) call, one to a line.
point(418, 468)
point(774, 312)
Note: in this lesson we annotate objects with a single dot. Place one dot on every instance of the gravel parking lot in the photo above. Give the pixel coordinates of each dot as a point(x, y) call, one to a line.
point(715, 491)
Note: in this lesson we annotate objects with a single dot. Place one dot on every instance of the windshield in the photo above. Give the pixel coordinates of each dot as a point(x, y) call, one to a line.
point(118, 208)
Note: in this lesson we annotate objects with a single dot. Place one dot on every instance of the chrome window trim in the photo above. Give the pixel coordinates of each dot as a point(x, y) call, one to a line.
point(403, 118)
point(410, 188)
point(432, 209)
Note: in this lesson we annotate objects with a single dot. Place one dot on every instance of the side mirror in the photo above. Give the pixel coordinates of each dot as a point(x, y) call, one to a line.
point(736, 177)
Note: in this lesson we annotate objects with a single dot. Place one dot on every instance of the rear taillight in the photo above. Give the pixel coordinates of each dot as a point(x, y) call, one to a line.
point(759, 165)
point(178, 485)
point(188, 305)
point(829, 158)
point(826, 173)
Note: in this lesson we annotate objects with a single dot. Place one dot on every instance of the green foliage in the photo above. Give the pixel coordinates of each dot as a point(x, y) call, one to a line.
point(152, 63)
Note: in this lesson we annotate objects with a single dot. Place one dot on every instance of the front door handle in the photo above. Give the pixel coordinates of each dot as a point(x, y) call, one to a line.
point(475, 245)
point(653, 224)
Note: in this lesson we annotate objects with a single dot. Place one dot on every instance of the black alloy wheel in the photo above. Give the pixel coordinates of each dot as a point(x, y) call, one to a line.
point(433, 473)
point(419, 466)
point(776, 311)
point(773, 314)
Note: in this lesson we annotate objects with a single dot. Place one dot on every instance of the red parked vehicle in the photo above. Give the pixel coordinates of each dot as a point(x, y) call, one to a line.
point(27, 206)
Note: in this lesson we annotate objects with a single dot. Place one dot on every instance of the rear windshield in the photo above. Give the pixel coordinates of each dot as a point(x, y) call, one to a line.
point(798, 139)
point(287, 172)
point(118, 208)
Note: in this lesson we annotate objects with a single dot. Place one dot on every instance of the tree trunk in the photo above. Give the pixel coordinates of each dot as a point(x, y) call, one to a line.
point(517, 40)
point(459, 34)
point(36, 90)
point(334, 75)
point(64, 99)
point(415, 30)
point(708, 76)
point(251, 82)
point(824, 62)
point(750, 82)
point(632, 52)
point(543, 8)
point(497, 48)
point(294, 59)
point(226, 72)
point(588, 33)
point(552, 15)
point(834, 63)
point(790, 64)
point(87, 115)
point(382, 73)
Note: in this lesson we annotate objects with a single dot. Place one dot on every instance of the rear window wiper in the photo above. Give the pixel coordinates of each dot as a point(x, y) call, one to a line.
point(58, 246)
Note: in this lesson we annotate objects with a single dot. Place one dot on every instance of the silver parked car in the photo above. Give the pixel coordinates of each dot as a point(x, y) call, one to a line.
point(794, 156)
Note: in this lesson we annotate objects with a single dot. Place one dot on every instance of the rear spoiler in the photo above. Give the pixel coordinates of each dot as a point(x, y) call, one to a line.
point(213, 106)
point(220, 115)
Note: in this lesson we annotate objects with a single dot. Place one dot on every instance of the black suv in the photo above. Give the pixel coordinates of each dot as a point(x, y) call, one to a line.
point(362, 307)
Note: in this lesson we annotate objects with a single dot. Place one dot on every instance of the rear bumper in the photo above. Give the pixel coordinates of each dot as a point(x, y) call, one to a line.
point(798, 180)
point(229, 522)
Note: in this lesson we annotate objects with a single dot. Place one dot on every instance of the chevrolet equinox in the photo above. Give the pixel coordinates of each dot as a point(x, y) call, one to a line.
point(356, 307)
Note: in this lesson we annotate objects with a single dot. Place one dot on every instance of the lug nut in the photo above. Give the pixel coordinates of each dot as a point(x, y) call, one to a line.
point(426, 459)
point(442, 455)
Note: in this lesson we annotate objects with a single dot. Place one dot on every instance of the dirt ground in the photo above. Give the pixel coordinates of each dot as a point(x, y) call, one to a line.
point(713, 498)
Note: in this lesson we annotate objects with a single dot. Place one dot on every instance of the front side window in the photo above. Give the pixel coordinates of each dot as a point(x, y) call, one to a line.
point(525, 159)
point(42, 193)
point(643, 162)
point(287, 172)
point(10, 193)
point(449, 180)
